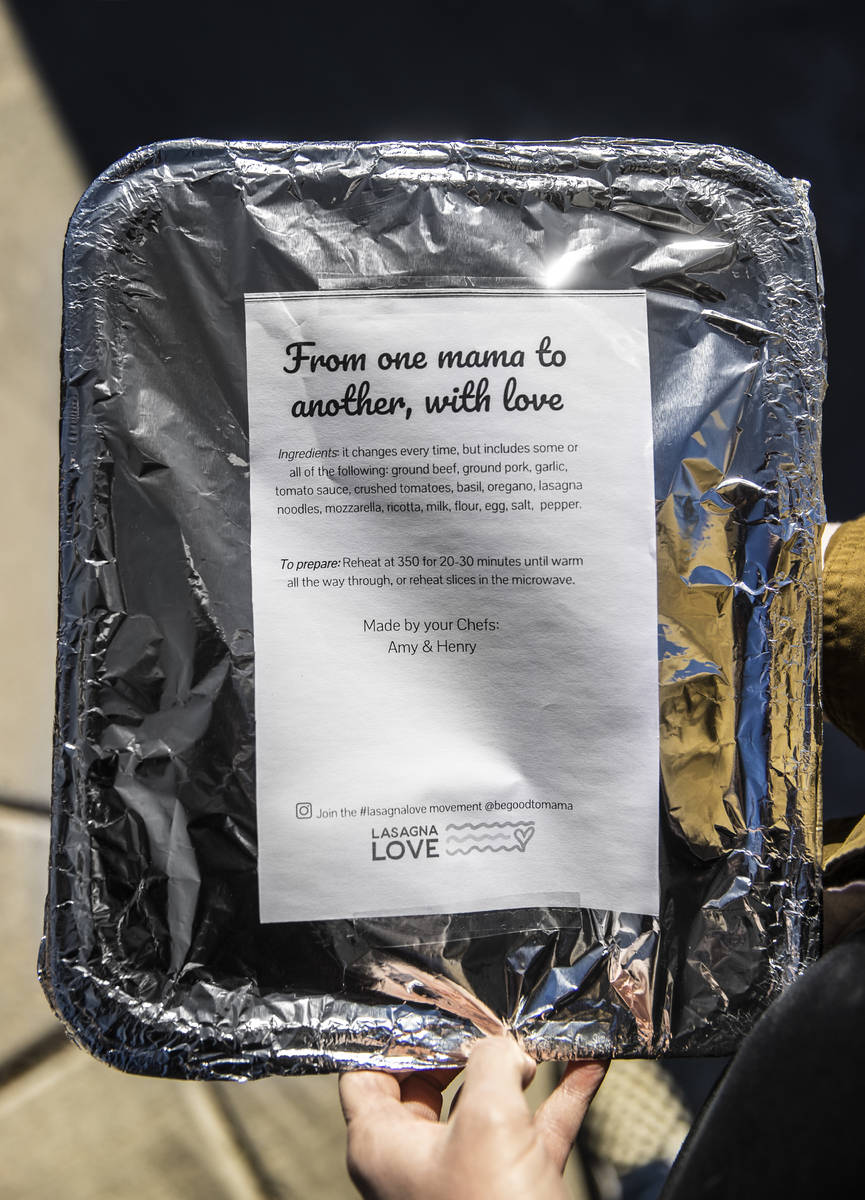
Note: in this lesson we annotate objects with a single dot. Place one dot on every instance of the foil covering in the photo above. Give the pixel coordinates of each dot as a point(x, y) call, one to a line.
point(153, 952)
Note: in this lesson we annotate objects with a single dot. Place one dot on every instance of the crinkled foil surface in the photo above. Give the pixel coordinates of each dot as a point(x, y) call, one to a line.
point(153, 952)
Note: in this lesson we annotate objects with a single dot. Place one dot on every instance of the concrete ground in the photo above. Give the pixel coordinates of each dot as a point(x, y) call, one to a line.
point(70, 1126)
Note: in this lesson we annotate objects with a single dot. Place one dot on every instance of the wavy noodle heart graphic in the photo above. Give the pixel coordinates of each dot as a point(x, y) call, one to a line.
point(488, 835)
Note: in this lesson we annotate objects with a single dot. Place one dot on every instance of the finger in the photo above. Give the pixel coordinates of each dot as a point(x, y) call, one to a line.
point(365, 1093)
point(422, 1096)
point(390, 1139)
point(559, 1118)
point(376, 1119)
point(496, 1076)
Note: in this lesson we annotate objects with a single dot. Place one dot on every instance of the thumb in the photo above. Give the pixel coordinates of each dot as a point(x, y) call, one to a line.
point(497, 1074)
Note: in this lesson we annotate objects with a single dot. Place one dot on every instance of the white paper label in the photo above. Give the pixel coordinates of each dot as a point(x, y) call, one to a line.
point(454, 597)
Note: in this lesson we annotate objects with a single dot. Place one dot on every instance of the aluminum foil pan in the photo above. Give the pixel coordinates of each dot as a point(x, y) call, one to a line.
point(154, 954)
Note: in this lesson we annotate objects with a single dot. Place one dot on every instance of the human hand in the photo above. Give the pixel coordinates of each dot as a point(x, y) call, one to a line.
point(491, 1147)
